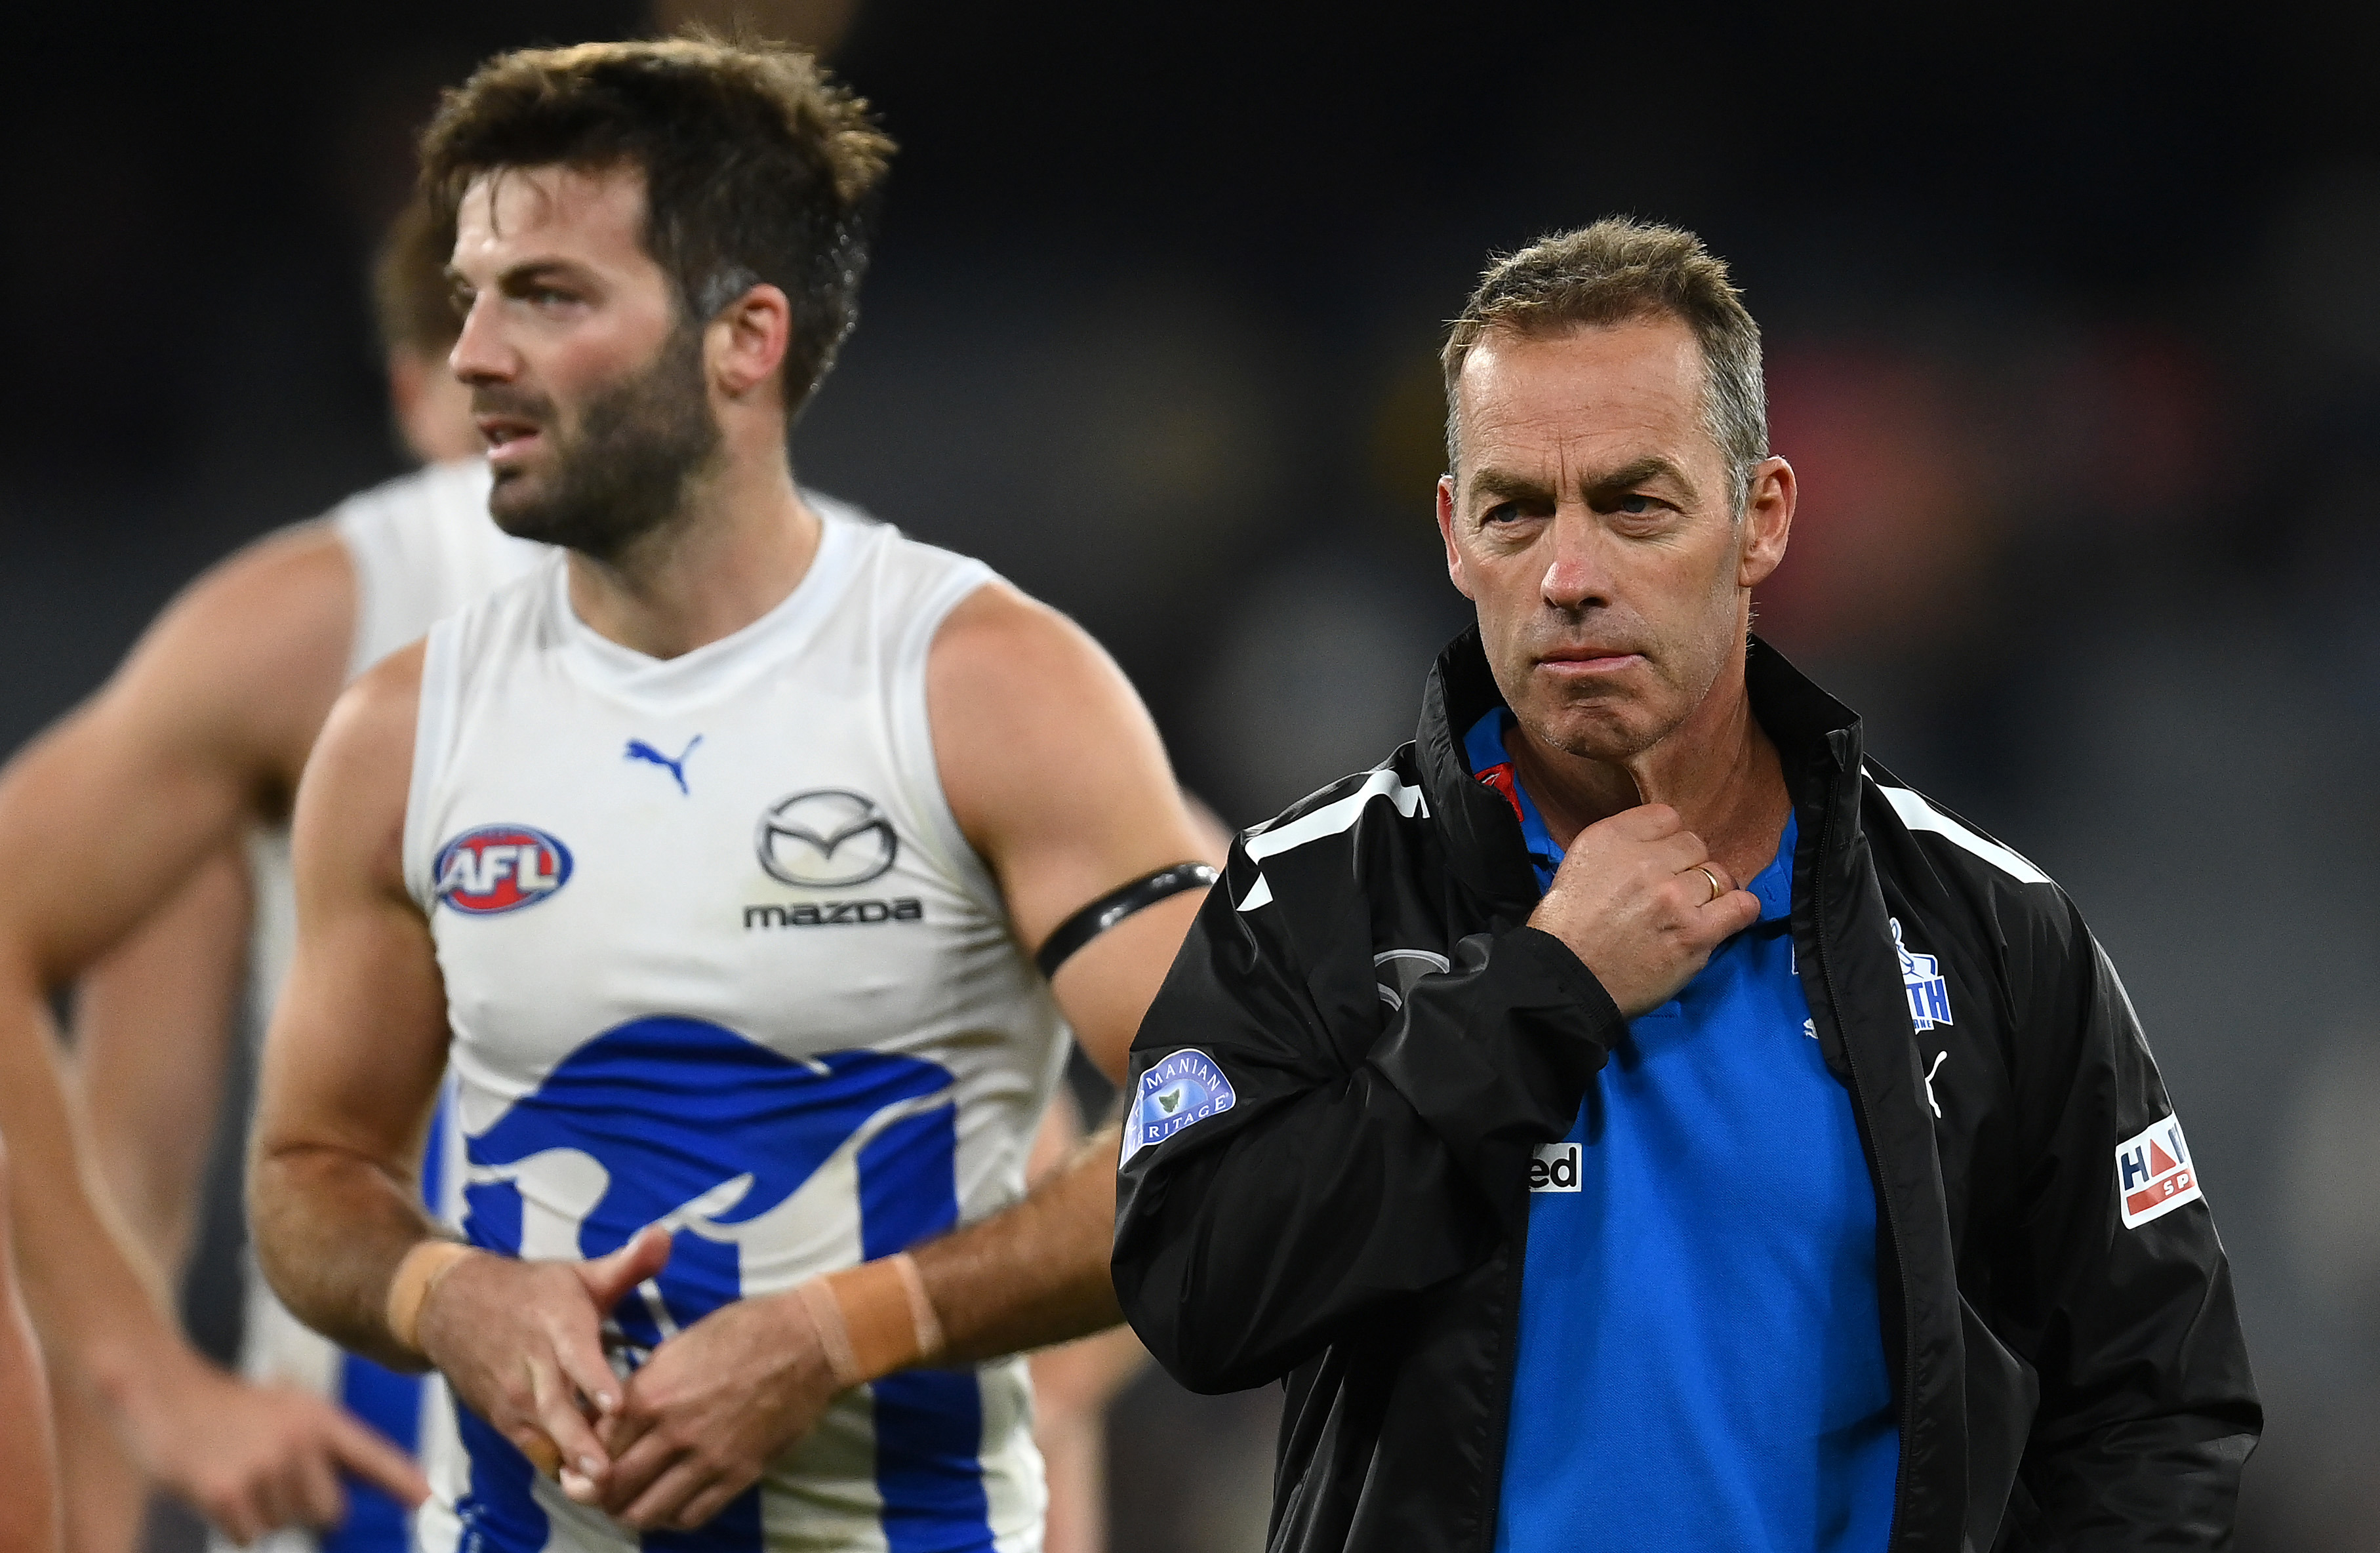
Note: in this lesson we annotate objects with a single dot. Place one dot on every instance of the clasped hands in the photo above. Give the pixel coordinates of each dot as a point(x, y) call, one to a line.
point(668, 1449)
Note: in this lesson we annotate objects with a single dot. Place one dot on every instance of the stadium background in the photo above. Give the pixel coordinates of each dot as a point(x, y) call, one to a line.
point(2074, 337)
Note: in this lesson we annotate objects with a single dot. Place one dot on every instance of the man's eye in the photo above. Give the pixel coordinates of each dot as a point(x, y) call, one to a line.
point(1636, 505)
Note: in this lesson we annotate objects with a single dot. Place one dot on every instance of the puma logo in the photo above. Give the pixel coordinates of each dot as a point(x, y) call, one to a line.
point(639, 750)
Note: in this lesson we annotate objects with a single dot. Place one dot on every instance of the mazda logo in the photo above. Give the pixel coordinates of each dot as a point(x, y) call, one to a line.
point(826, 839)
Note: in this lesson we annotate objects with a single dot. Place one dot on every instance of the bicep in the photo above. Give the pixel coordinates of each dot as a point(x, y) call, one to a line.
point(1059, 779)
point(358, 1042)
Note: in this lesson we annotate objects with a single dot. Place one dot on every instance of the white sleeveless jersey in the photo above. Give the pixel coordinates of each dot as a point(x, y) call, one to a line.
point(717, 957)
point(421, 546)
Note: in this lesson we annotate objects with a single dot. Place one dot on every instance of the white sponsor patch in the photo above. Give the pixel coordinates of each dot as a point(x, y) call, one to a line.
point(1555, 1168)
point(2155, 1173)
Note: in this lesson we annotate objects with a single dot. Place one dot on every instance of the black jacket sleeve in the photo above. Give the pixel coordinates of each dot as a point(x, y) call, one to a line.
point(1354, 1166)
point(2147, 1410)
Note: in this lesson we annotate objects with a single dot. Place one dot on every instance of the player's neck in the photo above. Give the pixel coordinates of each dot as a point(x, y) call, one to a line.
point(1716, 769)
point(743, 542)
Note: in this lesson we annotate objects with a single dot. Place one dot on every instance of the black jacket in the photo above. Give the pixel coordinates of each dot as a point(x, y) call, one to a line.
point(1354, 1223)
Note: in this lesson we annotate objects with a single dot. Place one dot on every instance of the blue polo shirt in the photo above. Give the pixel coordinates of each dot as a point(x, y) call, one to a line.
point(1701, 1365)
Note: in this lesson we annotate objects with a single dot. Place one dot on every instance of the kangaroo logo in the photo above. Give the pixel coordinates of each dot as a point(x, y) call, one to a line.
point(758, 1160)
point(639, 750)
point(770, 1169)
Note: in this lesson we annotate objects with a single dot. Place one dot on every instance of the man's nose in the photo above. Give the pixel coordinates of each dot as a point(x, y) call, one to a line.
point(1576, 574)
point(480, 353)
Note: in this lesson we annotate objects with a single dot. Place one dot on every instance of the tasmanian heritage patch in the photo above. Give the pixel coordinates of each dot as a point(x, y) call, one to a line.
point(1183, 1088)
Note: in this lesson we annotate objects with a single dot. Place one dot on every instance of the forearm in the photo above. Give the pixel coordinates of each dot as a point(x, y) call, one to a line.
point(329, 1228)
point(1247, 1240)
point(1035, 1274)
point(152, 1035)
point(97, 1302)
point(28, 1512)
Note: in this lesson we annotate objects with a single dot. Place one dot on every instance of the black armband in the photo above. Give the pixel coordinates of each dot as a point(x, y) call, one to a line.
point(1114, 906)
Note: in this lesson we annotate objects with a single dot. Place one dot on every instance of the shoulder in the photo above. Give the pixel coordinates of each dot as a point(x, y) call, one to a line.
point(374, 716)
point(1348, 811)
point(348, 828)
point(1027, 712)
point(998, 639)
point(1913, 833)
point(1350, 835)
point(400, 508)
point(352, 802)
point(249, 656)
point(1968, 893)
point(291, 589)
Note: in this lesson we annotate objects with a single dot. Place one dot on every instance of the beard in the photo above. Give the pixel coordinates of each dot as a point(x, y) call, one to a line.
point(621, 473)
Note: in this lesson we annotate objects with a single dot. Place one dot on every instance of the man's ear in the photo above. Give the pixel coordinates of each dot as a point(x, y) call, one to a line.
point(746, 343)
point(1446, 532)
point(1767, 521)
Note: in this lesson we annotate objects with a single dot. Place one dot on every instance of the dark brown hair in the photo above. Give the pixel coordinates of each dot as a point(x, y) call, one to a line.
point(1611, 273)
point(412, 299)
point(758, 166)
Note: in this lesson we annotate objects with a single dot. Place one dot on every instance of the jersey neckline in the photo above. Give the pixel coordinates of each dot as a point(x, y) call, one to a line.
point(714, 668)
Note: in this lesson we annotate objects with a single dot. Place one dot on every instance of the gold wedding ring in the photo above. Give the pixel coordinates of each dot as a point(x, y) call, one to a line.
point(1715, 890)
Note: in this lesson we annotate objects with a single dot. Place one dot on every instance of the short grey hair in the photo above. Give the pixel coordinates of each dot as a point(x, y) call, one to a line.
point(1613, 271)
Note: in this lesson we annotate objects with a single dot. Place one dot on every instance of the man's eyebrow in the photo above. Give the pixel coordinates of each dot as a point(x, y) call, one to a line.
point(515, 277)
point(1610, 485)
point(1507, 485)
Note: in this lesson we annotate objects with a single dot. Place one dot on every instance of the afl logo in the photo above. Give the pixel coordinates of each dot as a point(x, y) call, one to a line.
point(500, 867)
point(826, 839)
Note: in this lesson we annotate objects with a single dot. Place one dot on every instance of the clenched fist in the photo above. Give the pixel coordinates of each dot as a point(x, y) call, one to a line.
point(1631, 900)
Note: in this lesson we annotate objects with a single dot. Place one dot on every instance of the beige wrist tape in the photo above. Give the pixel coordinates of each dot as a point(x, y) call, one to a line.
point(417, 1275)
point(873, 1319)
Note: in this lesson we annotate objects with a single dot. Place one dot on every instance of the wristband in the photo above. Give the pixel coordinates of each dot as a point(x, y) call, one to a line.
point(873, 1319)
point(424, 1268)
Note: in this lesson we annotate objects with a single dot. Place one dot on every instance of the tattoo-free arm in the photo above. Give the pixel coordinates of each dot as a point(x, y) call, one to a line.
point(153, 1038)
point(358, 1040)
point(1057, 775)
point(1035, 1274)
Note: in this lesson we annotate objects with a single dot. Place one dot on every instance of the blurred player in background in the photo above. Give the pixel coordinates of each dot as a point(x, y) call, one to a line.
point(152, 1020)
point(190, 751)
point(660, 245)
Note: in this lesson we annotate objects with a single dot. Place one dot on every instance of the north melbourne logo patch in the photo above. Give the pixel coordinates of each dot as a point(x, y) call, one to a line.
point(2153, 1173)
point(1184, 1088)
point(1920, 978)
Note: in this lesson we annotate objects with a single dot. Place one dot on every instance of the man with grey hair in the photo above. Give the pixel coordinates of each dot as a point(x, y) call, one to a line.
point(1629, 1117)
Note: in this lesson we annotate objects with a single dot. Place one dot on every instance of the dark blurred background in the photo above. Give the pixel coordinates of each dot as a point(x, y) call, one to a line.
point(2074, 336)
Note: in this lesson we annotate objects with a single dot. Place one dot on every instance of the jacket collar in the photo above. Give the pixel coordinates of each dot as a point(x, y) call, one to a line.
point(1815, 736)
point(1483, 839)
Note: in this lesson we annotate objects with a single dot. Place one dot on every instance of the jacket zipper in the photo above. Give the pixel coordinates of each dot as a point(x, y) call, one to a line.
point(1883, 1194)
